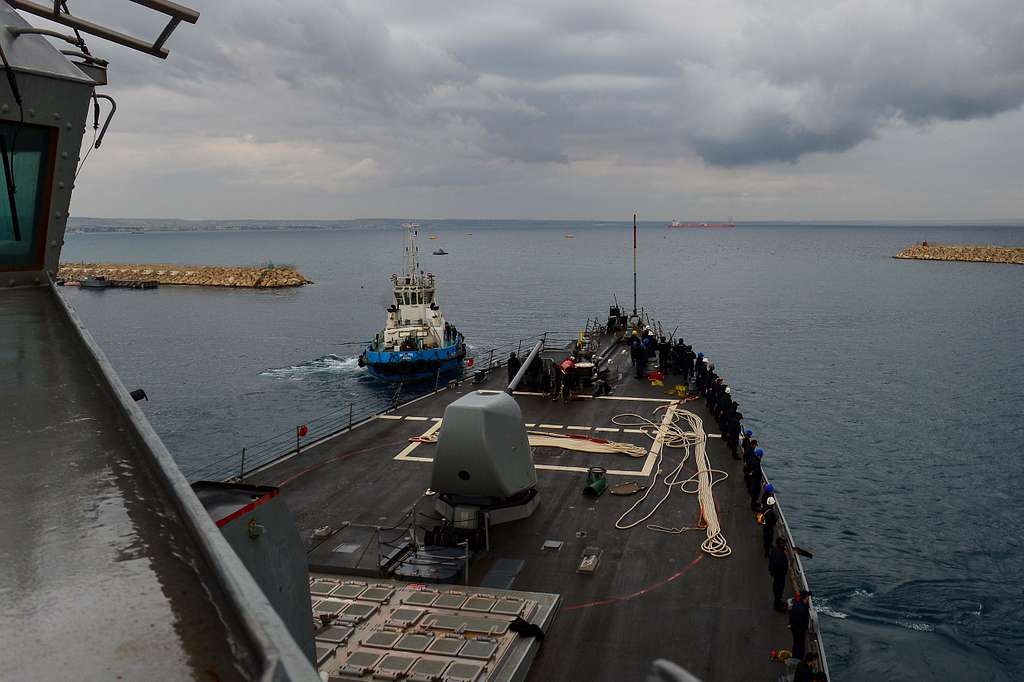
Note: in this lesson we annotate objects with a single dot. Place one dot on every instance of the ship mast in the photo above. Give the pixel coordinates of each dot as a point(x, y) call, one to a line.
point(412, 264)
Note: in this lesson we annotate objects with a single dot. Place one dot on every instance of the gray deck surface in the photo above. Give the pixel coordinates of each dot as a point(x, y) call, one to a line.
point(654, 595)
point(98, 578)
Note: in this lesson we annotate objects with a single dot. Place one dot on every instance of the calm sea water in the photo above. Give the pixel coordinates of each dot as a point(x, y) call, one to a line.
point(889, 395)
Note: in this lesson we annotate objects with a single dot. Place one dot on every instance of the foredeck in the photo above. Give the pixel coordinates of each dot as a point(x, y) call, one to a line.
point(654, 595)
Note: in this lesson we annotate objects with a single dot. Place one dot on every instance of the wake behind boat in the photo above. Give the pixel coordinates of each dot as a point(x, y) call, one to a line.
point(416, 343)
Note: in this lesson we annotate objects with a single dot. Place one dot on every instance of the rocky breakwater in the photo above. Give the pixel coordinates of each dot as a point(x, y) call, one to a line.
point(247, 276)
point(954, 252)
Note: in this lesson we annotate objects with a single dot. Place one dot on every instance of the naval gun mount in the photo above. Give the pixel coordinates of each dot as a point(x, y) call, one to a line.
point(483, 473)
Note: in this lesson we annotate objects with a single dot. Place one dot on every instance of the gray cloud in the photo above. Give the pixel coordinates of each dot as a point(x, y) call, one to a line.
point(389, 94)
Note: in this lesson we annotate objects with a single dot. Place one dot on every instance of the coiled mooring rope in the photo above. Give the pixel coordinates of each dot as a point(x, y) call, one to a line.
point(692, 440)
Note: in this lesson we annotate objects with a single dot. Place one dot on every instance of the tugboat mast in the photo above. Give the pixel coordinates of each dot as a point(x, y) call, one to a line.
point(412, 263)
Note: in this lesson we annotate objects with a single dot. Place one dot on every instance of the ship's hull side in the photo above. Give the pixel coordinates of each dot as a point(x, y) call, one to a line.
point(414, 366)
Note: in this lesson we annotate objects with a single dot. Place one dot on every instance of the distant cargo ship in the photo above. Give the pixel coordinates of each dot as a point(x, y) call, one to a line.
point(676, 223)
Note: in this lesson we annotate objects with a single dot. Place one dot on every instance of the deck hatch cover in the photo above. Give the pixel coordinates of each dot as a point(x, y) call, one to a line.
point(463, 672)
point(377, 593)
point(404, 616)
point(349, 590)
point(452, 600)
point(466, 623)
point(330, 607)
point(396, 663)
point(481, 648)
point(384, 640)
point(427, 669)
point(422, 598)
point(508, 607)
point(322, 587)
point(356, 612)
point(479, 603)
point(414, 642)
point(446, 646)
point(361, 661)
point(336, 634)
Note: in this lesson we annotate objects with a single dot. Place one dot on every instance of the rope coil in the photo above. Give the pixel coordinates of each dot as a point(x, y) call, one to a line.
point(693, 441)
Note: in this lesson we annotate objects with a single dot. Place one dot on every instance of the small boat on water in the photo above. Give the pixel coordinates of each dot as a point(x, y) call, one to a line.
point(433, 236)
point(569, 235)
point(440, 252)
point(416, 344)
point(98, 282)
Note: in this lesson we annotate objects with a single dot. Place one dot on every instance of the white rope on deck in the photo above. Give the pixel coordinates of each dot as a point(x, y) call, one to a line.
point(567, 441)
point(692, 440)
point(570, 441)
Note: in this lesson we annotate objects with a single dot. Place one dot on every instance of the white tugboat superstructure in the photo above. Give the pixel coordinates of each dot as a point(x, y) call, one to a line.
point(416, 343)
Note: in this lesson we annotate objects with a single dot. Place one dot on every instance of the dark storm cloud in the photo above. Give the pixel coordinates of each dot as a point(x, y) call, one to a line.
point(382, 93)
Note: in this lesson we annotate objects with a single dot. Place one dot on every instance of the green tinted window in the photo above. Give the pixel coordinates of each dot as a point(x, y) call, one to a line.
point(25, 169)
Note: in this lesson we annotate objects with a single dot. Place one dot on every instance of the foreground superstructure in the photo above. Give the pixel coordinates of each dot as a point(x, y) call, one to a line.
point(111, 567)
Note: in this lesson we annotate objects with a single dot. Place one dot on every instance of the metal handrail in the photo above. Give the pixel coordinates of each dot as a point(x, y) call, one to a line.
point(795, 563)
point(251, 458)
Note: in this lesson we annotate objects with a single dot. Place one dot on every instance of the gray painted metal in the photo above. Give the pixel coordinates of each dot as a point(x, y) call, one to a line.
point(259, 527)
point(55, 94)
point(483, 449)
point(276, 654)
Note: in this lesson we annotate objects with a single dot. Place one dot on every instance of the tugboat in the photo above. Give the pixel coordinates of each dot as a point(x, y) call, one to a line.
point(416, 343)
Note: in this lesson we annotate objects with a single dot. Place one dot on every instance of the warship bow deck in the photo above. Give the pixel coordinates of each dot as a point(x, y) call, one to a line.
point(654, 595)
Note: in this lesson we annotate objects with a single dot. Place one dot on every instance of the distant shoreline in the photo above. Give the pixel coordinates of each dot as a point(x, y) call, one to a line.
point(144, 226)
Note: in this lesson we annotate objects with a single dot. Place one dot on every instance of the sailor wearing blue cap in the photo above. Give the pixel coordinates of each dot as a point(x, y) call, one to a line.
point(756, 477)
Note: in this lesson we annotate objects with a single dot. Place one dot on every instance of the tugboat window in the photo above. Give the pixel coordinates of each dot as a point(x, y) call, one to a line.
point(24, 150)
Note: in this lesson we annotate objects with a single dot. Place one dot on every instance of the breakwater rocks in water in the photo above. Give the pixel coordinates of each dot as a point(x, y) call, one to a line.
point(974, 254)
point(249, 276)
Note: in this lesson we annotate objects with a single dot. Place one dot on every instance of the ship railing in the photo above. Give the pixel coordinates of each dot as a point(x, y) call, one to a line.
point(239, 464)
point(799, 577)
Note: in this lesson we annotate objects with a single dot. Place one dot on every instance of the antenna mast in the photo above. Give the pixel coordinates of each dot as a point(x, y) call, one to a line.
point(412, 265)
point(634, 263)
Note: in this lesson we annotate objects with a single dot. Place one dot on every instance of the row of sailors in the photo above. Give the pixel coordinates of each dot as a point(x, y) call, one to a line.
point(680, 358)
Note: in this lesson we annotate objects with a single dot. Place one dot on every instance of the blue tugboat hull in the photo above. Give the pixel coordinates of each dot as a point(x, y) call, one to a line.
point(414, 366)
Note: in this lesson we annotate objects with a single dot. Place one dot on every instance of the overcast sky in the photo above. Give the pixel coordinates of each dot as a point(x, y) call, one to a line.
point(754, 109)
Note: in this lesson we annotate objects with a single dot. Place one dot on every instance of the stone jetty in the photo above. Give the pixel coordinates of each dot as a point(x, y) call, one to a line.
point(954, 252)
point(248, 276)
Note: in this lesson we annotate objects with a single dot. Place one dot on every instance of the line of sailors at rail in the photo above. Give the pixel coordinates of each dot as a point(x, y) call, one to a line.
point(699, 375)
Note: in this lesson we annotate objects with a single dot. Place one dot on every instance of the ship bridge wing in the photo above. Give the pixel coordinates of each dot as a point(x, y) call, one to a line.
point(111, 566)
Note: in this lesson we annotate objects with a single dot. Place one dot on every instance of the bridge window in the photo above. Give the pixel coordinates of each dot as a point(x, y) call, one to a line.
point(26, 170)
